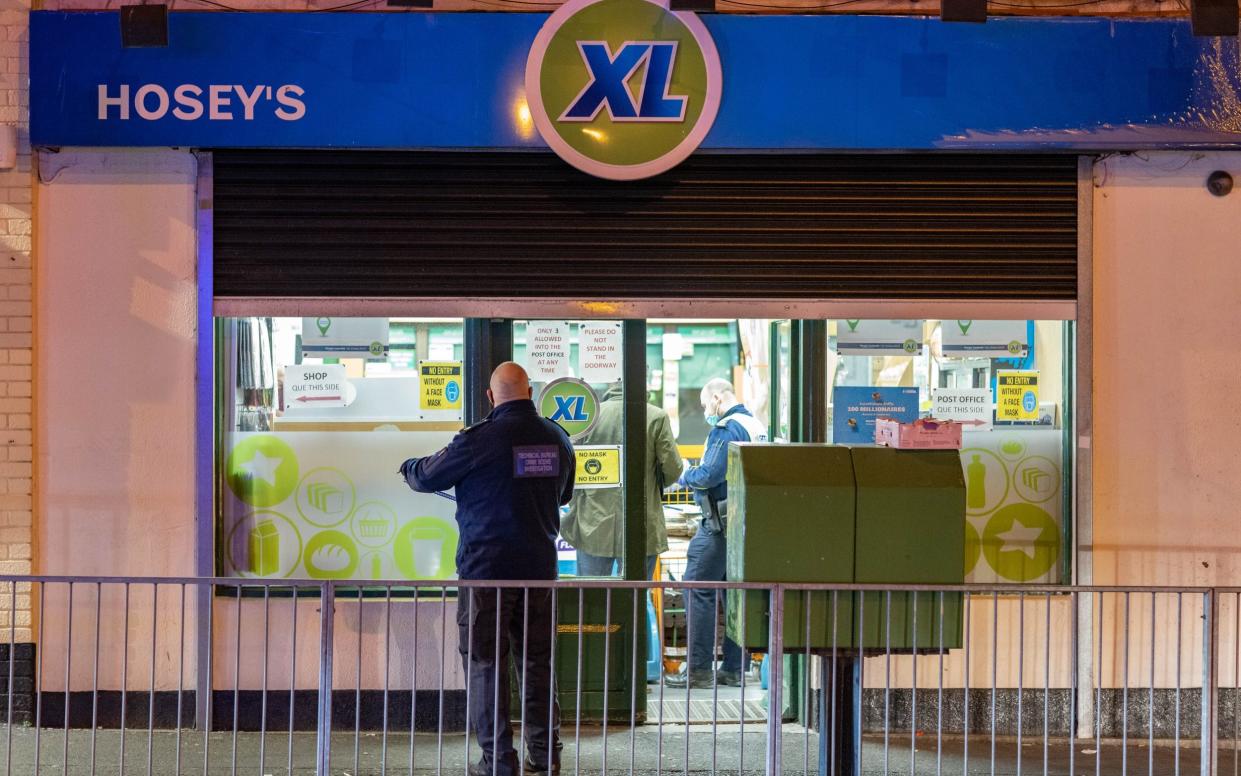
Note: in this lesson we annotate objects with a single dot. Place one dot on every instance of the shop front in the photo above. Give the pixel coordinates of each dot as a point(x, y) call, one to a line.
point(387, 206)
point(721, 258)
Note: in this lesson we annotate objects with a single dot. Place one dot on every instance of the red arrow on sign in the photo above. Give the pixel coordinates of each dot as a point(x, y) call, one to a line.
point(318, 398)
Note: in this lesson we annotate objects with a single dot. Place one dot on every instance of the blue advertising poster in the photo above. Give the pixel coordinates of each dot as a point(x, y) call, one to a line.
point(856, 408)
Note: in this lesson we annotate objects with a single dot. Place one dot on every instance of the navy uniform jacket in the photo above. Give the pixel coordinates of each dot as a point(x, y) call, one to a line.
point(709, 476)
point(511, 471)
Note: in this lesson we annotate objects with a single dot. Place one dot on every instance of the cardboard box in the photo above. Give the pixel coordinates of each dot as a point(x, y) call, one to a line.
point(922, 434)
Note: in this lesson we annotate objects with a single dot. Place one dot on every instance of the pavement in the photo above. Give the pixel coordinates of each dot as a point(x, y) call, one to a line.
point(647, 754)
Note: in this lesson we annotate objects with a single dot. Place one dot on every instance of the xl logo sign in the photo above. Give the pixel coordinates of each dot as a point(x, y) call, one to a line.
point(609, 85)
point(570, 408)
point(570, 402)
point(623, 89)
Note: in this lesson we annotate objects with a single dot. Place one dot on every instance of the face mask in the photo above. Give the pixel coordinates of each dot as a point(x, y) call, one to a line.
point(712, 417)
point(711, 413)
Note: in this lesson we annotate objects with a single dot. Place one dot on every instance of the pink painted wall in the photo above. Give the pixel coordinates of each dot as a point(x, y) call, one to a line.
point(1167, 371)
point(116, 301)
point(116, 331)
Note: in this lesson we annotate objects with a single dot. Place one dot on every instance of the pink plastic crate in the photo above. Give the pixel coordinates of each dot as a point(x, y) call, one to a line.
point(922, 434)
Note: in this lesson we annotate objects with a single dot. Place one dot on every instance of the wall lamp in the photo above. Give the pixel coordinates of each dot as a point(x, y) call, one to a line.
point(1213, 17)
point(963, 10)
point(696, 6)
point(144, 26)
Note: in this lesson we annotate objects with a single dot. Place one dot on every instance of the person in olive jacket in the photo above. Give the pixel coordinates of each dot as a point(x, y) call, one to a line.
point(595, 526)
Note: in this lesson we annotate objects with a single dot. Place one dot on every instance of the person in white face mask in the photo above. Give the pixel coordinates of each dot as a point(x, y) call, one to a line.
point(730, 421)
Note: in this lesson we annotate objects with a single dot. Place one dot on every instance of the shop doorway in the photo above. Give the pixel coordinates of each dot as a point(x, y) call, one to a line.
point(682, 357)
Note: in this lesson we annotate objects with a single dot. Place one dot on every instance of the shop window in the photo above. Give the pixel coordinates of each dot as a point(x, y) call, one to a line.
point(1010, 382)
point(315, 417)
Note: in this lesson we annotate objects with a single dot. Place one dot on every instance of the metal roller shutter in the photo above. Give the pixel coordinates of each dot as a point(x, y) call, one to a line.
point(526, 225)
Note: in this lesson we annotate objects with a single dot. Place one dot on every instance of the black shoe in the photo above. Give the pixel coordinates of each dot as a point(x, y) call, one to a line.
point(695, 680)
point(480, 768)
point(728, 678)
point(531, 767)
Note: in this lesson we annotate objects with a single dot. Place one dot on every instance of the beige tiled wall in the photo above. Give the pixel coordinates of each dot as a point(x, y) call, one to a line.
point(15, 321)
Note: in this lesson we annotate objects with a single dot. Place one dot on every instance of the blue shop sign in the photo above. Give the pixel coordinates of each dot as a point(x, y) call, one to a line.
point(427, 80)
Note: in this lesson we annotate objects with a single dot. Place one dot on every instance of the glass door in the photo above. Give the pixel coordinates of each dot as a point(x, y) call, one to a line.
point(576, 369)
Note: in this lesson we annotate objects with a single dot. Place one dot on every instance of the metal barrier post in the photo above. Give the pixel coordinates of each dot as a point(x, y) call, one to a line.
point(1210, 676)
point(775, 682)
point(323, 734)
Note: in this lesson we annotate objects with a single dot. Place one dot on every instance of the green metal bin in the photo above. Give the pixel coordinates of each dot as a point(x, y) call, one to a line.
point(600, 637)
point(790, 519)
point(835, 514)
point(910, 530)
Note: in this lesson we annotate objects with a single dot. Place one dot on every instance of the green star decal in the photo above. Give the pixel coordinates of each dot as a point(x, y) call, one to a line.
point(1021, 542)
point(261, 470)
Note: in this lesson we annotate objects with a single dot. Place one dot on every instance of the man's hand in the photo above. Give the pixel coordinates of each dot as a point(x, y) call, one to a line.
point(680, 483)
point(676, 487)
point(407, 467)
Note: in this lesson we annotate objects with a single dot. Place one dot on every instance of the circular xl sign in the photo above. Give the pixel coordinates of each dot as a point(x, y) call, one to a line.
point(571, 403)
point(623, 89)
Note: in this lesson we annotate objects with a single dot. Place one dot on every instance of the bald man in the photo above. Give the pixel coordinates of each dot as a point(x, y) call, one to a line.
point(512, 471)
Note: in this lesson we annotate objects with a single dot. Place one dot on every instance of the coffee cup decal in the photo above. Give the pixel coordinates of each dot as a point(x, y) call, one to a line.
point(424, 548)
point(428, 546)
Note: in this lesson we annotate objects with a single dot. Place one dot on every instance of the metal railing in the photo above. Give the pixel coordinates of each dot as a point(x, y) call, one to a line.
point(338, 676)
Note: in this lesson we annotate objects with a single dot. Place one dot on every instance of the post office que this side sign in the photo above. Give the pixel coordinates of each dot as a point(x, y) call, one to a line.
point(623, 89)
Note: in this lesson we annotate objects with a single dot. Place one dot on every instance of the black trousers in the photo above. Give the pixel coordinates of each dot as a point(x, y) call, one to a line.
point(526, 633)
